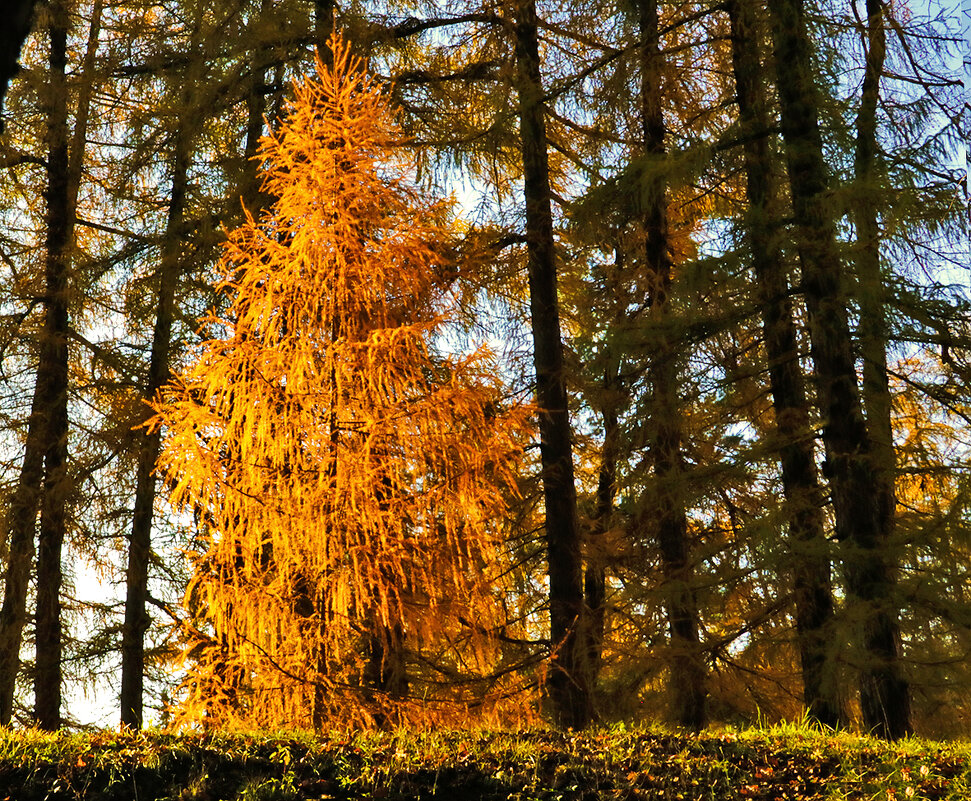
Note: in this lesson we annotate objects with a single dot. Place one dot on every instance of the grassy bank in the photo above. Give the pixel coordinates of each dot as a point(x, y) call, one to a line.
point(616, 763)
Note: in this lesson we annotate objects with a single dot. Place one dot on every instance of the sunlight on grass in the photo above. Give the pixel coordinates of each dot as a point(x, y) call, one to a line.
point(787, 761)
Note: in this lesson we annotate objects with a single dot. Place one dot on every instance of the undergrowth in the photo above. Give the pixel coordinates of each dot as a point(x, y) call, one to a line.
point(790, 763)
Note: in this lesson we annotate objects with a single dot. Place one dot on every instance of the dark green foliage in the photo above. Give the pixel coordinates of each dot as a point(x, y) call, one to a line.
point(781, 763)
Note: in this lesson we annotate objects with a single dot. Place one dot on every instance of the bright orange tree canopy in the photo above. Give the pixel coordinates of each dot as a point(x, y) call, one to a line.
point(349, 478)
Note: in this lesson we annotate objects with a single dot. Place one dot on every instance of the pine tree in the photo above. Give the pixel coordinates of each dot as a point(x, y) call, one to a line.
point(347, 476)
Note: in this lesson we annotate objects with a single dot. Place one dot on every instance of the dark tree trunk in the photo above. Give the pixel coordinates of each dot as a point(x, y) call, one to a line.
point(881, 633)
point(804, 500)
point(611, 402)
point(47, 427)
point(137, 620)
point(323, 28)
point(252, 195)
point(140, 545)
point(861, 522)
point(687, 669)
point(569, 677)
point(595, 578)
point(18, 20)
point(52, 378)
point(386, 669)
point(22, 517)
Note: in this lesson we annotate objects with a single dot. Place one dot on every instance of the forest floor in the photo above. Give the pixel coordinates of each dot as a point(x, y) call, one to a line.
point(612, 763)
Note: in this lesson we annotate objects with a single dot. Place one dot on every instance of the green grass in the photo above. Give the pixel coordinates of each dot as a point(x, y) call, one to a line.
point(782, 762)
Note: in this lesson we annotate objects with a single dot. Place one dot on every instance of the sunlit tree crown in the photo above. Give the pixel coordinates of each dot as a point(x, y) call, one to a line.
point(349, 478)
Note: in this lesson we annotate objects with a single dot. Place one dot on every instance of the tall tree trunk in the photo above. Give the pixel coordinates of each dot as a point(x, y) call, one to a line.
point(882, 633)
point(252, 195)
point(860, 524)
point(595, 577)
point(22, 516)
point(569, 678)
point(611, 402)
point(687, 670)
point(804, 501)
point(137, 620)
point(52, 377)
point(42, 428)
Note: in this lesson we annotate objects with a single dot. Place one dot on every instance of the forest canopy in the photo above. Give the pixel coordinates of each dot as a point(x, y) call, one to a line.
point(665, 414)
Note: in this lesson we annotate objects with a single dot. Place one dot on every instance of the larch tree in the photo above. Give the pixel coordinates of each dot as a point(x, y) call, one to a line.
point(666, 513)
point(863, 516)
point(570, 675)
point(804, 504)
point(170, 269)
point(46, 480)
point(347, 473)
point(872, 340)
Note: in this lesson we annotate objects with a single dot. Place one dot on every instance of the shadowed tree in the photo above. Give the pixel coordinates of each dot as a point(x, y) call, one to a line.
point(667, 514)
point(804, 500)
point(570, 674)
point(863, 513)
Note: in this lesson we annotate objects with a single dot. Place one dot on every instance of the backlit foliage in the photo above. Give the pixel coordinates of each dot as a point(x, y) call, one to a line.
point(350, 478)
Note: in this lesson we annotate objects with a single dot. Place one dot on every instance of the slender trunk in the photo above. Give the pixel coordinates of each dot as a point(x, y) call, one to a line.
point(253, 197)
point(386, 672)
point(687, 670)
point(882, 632)
point(23, 522)
point(43, 427)
point(569, 679)
point(137, 620)
point(52, 376)
point(324, 19)
point(595, 579)
point(803, 495)
point(857, 501)
point(612, 402)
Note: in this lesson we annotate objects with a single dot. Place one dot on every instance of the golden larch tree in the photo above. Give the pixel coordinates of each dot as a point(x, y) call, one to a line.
point(348, 475)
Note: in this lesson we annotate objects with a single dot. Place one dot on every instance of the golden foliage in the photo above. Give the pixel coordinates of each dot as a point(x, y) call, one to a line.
point(349, 479)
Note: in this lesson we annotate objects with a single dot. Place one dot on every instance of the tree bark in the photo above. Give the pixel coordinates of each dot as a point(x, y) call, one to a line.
point(323, 28)
point(881, 634)
point(47, 427)
point(800, 481)
point(569, 677)
point(137, 619)
point(386, 672)
point(595, 576)
point(861, 526)
point(23, 521)
point(52, 378)
point(687, 670)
